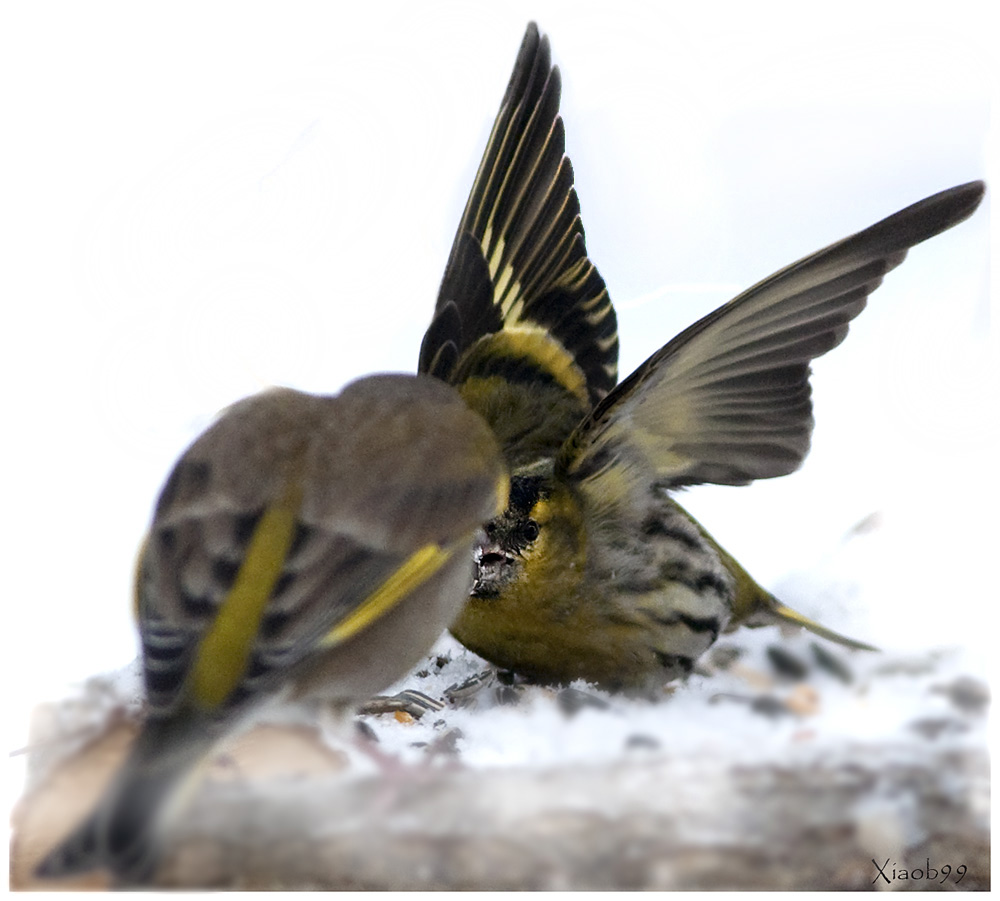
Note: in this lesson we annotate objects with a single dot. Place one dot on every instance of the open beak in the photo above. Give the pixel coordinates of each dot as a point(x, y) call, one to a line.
point(493, 567)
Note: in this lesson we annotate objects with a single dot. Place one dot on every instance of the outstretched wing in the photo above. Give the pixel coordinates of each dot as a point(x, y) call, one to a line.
point(519, 257)
point(728, 400)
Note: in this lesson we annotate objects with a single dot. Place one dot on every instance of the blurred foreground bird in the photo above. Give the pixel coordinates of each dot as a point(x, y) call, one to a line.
point(593, 571)
point(302, 547)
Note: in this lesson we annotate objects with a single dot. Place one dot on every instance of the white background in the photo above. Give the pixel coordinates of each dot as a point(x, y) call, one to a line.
point(207, 199)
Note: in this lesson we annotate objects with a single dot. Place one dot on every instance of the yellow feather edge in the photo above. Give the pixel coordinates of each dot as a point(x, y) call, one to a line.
point(754, 604)
point(224, 652)
point(788, 615)
point(414, 571)
point(528, 342)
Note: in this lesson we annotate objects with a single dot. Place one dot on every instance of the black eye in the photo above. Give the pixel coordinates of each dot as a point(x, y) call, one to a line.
point(530, 530)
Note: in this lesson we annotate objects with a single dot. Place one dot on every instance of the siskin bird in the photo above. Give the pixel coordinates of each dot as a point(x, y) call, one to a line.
point(593, 571)
point(303, 547)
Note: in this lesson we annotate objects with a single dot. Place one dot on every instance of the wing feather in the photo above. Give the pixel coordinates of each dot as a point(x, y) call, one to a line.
point(728, 400)
point(520, 256)
point(295, 521)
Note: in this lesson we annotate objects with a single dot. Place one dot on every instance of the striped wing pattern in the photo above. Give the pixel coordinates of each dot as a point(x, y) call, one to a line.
point(519, 256)
point(728, 400)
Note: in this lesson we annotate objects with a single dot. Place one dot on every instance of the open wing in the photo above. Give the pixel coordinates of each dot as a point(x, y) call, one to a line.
point(728, 400)
point(519, 257)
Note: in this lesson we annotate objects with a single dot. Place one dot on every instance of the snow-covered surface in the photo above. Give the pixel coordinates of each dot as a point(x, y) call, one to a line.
point(761, 701)
point(741, 705)
point(212, 199)
point(738, 706)
point(738, 715)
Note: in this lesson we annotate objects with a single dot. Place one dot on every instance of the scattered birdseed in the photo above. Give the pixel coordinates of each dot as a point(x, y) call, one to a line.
point(831, 663)
point(786, 663)
point(967, 694)
point(572, 700)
